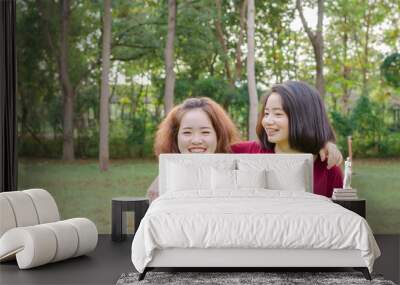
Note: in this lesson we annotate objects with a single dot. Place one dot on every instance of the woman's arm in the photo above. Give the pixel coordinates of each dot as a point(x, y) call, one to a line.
point(152, 191)
point(333, 154)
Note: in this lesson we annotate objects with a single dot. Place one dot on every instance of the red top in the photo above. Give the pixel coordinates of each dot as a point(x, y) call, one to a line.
point(324, 179)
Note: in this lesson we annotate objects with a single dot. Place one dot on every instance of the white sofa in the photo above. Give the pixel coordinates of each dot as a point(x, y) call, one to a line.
point(31, 231)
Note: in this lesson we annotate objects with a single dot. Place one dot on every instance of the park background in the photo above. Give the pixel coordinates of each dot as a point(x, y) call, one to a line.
point(96, 77)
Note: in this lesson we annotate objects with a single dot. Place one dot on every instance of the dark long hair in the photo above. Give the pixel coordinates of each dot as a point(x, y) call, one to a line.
point(309, 127)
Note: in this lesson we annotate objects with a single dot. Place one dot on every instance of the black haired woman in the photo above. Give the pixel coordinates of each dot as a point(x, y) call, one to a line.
point(294, 120)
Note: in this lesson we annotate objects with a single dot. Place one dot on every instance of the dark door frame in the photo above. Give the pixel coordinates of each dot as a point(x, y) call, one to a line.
point(8, 80)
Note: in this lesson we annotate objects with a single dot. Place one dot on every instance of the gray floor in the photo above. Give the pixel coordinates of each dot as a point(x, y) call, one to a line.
point(102, 266)
point(110, 260)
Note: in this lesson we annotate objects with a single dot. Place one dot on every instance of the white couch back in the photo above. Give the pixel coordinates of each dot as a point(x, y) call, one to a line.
point(26, 208)
point(206, 171)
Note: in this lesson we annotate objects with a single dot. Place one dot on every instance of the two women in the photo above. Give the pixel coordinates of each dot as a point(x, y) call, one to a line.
point(293, 120)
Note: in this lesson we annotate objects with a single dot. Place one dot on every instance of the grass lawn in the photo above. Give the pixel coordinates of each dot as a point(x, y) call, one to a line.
point(378, 181)
point(81, 190)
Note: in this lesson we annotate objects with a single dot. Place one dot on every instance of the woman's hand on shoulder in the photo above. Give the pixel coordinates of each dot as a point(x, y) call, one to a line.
point(332, 153)
point(152, 191)
point(152, 195)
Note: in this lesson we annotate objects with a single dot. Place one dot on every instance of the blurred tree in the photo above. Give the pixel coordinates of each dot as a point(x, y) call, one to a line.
point(169, 58)
point(345, 17)
point(68, 90)
point(64, 31)
point(105, 88)
point(221, 38)
point(317, 40)
point(36, 85)
point(204, 65)
point(277, 45)
point(251, 78)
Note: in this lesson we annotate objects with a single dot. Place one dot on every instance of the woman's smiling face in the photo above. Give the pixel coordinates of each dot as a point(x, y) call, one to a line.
point(276, 121)
point(196, 133)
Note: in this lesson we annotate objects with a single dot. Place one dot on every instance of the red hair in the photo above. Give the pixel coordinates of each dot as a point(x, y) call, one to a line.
point(166, 140)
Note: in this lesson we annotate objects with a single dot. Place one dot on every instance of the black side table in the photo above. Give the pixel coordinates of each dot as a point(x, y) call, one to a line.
point(357, 206)
point(139, 205)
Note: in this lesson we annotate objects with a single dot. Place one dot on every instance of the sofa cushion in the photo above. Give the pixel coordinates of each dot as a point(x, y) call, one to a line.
point(23, 208)
point(31, 233)
point(32, 246)
point(45, 205)
point(7, 220)
point(40, 244)
point(87, 233)
point(67, 239)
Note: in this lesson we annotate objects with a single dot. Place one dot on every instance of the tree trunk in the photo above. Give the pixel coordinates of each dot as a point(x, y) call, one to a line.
point(346, 71)
point(238, 65)
point(222, 41)
point(319, 54)
point(68, 91)
point(251, 78)
point(319, 59)
point(295, 56)
point(274, 63)
point(105, 88)
point(364, 69)
point(169, 58)
point(317, 41)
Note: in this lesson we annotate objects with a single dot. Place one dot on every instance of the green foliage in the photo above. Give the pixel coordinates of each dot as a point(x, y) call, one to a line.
point(368, 127)
point(215, 88)
point(342, 124)
point(36, 148)
point(36, 79)
point(390, 69)
point(234, 99)
point(370, 132)
point(136, 139)
point(137, 77)
point(351, 57)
